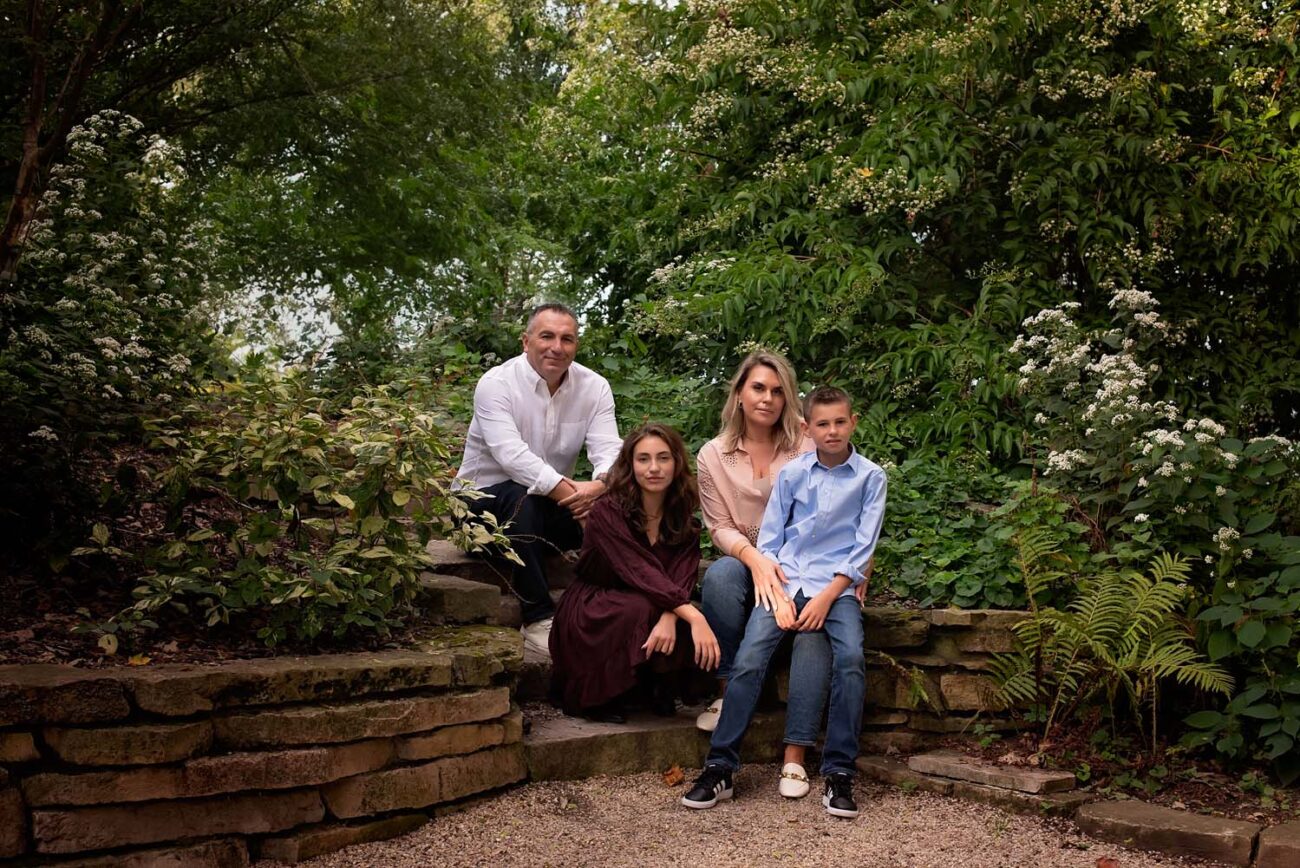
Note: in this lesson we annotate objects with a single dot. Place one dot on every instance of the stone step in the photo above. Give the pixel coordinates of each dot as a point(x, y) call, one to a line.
point(959, 766)
point(452, 600)
point(507, 612)
point(569, 748)
point(451, 561)
point(1165, 830)
point(896, 772)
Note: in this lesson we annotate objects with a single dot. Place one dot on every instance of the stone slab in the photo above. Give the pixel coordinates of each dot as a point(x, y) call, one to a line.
point(313, 841)
point(183, 690)
point(13, 824)
point(970, 662)
point(207, 776)
point(40, 693)
point(1279, 846)
point(959, 766)
point(893, 741)
point(18, 747)
point(569, 748)
point(986, 641)
point(225, 853)
point(482, 654)
point(458, 601)
point(952, 723)
point(508, 612)
point(451, 561)
point(534, 680)
point(889, 688)
point(80, 829)
point(336, 722)
point(896, 772)
point(990, 618)
point(420, 786)
point(894, 628)
point(1043, 804)
point(141, 744)
point(1165, 830)
point(456, 740)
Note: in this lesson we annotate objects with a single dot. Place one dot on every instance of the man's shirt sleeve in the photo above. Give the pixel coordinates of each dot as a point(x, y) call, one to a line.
point(603, 442)
point(870, 517)
point(492, 408)
point(771, 534)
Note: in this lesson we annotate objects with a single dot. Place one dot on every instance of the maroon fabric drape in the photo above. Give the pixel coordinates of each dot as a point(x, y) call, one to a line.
point(623, 585)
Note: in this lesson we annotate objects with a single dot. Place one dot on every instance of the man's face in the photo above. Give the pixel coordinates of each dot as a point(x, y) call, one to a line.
point(550, 344)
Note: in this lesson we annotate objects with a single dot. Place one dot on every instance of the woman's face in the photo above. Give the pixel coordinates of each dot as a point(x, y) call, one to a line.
point(761, 397)
point(653, 464)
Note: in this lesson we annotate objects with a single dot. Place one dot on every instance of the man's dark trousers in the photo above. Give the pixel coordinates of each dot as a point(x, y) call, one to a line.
point(538, 526)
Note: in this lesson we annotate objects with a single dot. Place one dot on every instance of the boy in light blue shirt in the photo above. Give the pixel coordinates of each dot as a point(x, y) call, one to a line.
point(820, 527)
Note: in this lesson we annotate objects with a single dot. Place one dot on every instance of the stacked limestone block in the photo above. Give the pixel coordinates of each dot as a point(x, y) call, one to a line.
point(283, 758)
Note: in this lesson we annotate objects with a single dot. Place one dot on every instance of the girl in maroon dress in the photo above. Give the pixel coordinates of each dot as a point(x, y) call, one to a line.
point(630, 606)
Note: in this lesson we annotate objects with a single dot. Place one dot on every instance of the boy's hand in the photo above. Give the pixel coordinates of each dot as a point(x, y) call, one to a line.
point(784, 613)
point(861, 590)
point(815, 611)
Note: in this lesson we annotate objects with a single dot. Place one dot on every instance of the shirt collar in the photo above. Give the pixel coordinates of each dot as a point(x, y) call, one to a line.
point(851, 462)
point(536, 381)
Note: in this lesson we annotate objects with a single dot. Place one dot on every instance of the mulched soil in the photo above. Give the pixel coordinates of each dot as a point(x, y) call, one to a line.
point(637, 820)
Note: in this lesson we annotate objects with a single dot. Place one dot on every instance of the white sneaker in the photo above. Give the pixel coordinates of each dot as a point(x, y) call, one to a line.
point(708, 718)
point(794, 781)
point(537, 637)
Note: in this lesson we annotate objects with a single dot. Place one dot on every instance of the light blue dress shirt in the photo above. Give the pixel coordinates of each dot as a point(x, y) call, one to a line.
point(822, 520)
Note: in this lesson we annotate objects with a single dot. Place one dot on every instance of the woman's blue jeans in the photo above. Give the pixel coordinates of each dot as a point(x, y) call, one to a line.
point(727, 600)
point(848, 685)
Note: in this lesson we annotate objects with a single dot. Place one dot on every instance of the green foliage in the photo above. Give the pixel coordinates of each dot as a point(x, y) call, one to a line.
point(950, 531)
point(292, 521)
point(1122, 631)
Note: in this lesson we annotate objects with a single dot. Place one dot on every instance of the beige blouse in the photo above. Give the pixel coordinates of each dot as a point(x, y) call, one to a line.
point(731, 499)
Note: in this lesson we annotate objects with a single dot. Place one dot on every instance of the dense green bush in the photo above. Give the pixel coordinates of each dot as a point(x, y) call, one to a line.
point(291, 519)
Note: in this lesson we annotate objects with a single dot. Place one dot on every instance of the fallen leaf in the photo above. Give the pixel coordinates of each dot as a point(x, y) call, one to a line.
point(137, 660)
point(171, 647)
point(1179, 806)
point(674, 776)
point(1107, 862)
point(108, 642)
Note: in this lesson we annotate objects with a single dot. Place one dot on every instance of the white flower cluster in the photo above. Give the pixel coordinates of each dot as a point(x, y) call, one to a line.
point(1065, 461)
point(1224, 538)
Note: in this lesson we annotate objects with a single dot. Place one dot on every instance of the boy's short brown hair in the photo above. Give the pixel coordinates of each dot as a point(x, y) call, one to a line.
point(825, 395)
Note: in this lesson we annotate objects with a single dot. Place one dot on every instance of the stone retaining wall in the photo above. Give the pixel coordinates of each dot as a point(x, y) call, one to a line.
point(283, 758)
point(927, 674)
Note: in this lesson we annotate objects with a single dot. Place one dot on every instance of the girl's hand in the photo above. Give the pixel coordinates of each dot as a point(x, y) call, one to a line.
point(663, 638)
point(708, 654)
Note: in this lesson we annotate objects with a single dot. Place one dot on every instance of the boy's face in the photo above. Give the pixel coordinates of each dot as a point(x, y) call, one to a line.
point(830, 426)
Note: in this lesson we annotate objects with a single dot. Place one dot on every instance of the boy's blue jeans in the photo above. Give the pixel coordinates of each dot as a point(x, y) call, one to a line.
point(848, 686)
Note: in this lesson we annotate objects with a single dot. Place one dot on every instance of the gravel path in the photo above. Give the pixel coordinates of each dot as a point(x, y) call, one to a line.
point(637, 821)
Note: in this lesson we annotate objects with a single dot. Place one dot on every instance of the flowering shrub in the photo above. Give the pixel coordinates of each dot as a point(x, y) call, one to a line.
point(292, 522)
point(1148, 479)
point(103, 320)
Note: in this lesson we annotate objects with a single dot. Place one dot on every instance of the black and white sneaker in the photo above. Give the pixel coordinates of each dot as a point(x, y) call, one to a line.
point(838, 796)
point(712, 786)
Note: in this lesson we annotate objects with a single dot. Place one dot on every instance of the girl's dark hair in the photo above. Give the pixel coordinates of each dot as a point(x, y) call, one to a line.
point(682, 498)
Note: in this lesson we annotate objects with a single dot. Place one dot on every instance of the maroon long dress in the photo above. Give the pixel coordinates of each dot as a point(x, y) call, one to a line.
point(623, 585)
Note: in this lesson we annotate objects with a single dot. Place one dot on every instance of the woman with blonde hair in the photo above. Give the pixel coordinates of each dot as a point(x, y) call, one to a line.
point(760, 434)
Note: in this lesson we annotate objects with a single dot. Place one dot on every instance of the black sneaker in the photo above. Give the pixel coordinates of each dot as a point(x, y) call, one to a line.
point(712, 786)
point(838, 796)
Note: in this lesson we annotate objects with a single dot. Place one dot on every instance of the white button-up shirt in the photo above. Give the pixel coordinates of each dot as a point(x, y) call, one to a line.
point(521, 432)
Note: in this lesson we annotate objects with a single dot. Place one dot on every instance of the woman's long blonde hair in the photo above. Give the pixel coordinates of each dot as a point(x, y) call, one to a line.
point(733, 419)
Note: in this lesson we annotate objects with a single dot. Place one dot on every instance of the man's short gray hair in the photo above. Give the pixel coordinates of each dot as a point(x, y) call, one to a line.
point(553, 306)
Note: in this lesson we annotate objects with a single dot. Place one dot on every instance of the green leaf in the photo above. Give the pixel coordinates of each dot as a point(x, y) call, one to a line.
point(1262, 711)
point(100, 535)
point(344, 501)
point(1251, 633)
point(1205, 720)
point(401, 497)
point(1259, 522)
point(1221, 644)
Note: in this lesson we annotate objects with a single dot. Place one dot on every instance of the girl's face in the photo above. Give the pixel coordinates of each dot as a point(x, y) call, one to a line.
point(653, 464)
point(762, 397)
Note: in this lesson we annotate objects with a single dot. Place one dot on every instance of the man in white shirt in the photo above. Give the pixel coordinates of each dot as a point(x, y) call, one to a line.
point(532, 415)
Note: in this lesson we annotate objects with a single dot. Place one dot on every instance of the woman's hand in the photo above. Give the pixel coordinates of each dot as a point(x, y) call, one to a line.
point(663, 638)
point(708, 654)
point(769, 579)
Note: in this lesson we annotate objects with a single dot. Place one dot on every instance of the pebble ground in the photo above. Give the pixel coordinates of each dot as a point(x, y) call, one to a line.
point(637, 820)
